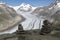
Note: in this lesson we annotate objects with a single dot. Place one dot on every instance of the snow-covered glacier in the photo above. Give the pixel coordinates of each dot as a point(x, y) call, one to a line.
point(31, 21)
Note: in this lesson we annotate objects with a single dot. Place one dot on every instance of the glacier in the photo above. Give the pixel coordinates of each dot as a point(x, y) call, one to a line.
point(31, 22)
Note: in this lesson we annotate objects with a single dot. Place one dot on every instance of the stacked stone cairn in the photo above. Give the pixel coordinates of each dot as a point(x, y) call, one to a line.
point(20, 32)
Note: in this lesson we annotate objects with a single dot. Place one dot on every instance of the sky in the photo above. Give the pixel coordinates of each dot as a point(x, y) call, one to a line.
point(31, 2)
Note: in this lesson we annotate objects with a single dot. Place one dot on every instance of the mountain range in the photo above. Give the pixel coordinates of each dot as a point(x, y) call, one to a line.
point(34, 16)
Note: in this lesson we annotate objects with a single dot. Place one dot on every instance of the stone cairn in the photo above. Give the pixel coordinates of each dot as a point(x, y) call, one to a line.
point(46, 27)
point(20, 33)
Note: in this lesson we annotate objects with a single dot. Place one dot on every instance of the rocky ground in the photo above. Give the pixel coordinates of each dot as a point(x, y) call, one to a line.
point(32, 35)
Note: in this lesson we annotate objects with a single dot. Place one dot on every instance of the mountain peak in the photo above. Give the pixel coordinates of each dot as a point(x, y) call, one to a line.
point(25, 4)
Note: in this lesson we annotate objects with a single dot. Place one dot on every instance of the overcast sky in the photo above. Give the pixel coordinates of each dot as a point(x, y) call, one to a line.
point(31, 2)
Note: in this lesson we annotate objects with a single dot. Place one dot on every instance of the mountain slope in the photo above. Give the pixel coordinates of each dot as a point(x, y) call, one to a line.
point(8, 17)
point(55, 11)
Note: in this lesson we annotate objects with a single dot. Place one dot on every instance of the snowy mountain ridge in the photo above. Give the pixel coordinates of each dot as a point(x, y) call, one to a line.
point(24, 6)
